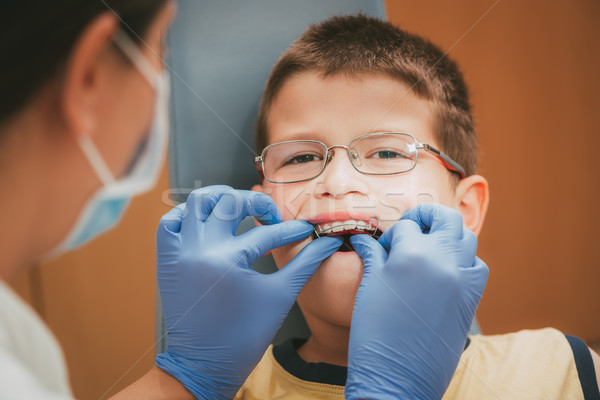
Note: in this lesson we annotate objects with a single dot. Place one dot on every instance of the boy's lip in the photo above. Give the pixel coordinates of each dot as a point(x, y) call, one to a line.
point(341, 216)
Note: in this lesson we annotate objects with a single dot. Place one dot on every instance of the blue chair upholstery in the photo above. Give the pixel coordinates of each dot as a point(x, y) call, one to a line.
point(221, 53)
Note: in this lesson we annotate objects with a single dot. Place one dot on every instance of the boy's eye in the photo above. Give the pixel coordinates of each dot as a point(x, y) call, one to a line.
point(389, 154)
point(303, 158)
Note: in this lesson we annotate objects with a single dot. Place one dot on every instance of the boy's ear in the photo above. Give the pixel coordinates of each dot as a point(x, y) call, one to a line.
point(472, 198)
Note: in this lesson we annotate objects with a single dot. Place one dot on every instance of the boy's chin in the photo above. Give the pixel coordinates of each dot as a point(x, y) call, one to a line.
point(329, 295)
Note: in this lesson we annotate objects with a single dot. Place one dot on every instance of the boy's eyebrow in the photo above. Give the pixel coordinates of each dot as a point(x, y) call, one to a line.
point(319, 136)
point(323, 135)
point(382, 130)
point(303, 135)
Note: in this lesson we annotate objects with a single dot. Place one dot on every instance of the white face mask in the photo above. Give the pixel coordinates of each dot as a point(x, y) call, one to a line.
point(106, 206)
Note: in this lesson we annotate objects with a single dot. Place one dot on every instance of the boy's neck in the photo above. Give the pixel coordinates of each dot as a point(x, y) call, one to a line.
point(328, 343)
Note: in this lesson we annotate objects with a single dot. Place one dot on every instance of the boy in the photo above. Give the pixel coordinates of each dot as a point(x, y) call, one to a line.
point(352, 126)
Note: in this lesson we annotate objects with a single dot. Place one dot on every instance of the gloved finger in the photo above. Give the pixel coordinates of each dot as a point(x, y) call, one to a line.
point(468, 248)
point(370, 250)
point(398, 232)
point(475, 277)
point(298, 271)
point(199, 206)
point(262, 203)
point(171, 221)
point(169, 226)
point(262, 239)
point(434, 217)
point(235, 205)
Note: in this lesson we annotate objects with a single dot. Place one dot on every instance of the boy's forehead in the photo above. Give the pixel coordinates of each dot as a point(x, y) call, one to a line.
point(340, 107)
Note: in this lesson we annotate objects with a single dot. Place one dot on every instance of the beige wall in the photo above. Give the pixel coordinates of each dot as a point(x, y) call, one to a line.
point(532, 68)
point(100, 301)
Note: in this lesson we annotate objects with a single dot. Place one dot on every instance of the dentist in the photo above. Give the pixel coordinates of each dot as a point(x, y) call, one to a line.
point(83, 129)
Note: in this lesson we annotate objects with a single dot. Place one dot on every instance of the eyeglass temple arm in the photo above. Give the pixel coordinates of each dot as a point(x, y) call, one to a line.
point(447, 161)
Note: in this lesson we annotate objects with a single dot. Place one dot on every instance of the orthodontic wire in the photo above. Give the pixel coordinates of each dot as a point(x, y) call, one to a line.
point(372, 234)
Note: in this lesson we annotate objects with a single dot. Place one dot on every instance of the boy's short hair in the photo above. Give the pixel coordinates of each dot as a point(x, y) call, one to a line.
point(359, 45)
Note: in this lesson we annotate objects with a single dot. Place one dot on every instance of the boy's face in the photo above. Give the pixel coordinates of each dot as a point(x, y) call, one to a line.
point(334, 110)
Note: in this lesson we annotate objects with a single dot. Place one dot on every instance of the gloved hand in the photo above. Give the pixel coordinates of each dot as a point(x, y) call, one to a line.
point(221, 315)
point(414, 306)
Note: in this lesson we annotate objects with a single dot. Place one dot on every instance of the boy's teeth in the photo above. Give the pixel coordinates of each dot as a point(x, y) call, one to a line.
point(349, 225)
point(337, 227)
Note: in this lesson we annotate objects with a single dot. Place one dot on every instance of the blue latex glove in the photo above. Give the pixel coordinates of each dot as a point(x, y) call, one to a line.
point(220, 314)
point(414, 306)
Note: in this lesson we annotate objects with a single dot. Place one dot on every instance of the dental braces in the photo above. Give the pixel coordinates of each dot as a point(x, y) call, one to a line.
point(373, 233)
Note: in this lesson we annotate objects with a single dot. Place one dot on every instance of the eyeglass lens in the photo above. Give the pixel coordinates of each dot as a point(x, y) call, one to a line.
point(378, 154)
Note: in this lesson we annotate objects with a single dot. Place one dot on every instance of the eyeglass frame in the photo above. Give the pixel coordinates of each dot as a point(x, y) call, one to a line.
point(446, 160)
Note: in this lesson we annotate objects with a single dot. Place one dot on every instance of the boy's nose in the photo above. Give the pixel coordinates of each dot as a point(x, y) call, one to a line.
point(339, 178)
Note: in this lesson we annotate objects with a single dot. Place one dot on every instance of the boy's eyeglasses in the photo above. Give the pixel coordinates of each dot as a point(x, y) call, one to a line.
point(386, 153)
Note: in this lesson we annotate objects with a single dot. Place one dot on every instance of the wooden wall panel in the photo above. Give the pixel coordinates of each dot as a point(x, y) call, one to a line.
point(100, 301)
point(22, 285)
point(532, 68)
